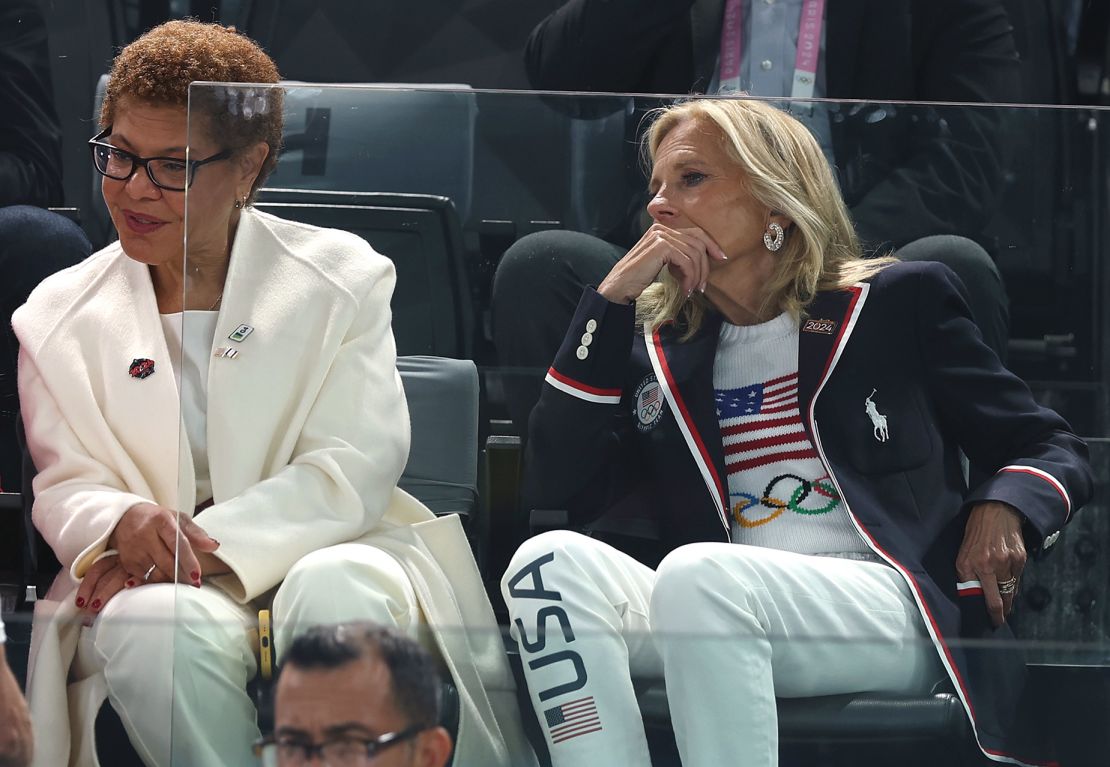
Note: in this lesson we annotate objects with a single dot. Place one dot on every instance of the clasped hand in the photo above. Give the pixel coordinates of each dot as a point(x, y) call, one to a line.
point(686, 253)
point(147, 535)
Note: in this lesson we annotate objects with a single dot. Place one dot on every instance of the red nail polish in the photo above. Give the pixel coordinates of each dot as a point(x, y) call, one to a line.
point(195, 575)
point(80, 601)
point(130, 583)
point(96, 604)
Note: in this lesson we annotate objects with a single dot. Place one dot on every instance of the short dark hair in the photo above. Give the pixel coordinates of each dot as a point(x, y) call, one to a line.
point(413, 673)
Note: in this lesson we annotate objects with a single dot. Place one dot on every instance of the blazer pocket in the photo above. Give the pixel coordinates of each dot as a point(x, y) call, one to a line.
point(877, 430)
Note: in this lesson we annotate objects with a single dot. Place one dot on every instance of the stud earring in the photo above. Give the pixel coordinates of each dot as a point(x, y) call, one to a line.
point(773, 237)
point(240, 203)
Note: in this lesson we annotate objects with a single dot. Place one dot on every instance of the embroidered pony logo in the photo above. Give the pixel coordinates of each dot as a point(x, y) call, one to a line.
point(878, 420)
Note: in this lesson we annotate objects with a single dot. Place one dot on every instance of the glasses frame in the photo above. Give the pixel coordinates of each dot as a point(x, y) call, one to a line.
point(373, 746)
point(144, 162)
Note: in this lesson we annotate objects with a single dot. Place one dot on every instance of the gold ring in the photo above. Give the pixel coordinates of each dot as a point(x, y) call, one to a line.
point(1008, 586)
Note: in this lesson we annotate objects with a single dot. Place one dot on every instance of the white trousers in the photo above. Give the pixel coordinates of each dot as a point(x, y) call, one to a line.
point(729, 628)
point(177, 659)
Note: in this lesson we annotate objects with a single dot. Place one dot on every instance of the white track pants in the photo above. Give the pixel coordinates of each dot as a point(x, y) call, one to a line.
point(177, 659)
point(729, 627)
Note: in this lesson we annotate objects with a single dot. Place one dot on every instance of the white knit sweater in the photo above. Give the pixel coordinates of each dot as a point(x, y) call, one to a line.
point(779, 493)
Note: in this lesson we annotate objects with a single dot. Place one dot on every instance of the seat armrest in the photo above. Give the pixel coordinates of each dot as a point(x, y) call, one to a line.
point(501, 528)
point(543, 520)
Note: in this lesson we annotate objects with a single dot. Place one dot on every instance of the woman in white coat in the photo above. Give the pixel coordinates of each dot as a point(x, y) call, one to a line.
point(220, 431)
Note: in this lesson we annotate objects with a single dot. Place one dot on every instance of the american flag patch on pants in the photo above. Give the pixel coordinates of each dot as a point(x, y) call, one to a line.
point(579, 717)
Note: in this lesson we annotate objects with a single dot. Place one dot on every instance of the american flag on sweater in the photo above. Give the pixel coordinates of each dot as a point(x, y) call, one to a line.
point(570, 720)
point(761, 424)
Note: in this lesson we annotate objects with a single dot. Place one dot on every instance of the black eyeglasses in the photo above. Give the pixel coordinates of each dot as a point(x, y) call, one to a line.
point(170, 173)
point(348, 751)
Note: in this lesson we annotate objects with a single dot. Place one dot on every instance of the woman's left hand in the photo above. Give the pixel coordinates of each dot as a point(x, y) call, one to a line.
point(103, 580)
point(993, 552)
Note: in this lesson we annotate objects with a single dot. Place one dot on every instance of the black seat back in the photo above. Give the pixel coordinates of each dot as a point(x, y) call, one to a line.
point(421, 234)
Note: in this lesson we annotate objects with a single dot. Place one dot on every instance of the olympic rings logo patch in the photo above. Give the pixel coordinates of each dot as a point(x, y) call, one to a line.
point(649, 404)
point(786, 492)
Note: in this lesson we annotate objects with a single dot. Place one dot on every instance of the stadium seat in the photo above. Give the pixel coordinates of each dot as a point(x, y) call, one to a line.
point(432, 312)
point(442, 470)
point(379, 138)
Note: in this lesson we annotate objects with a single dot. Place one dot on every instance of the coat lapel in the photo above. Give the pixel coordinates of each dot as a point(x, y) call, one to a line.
point(699, 427)
point(133, 419)
point(239, 410)
point(257, 399)
point(821, 341)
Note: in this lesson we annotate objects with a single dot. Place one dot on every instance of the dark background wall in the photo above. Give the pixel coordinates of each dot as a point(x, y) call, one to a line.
point(471, 42)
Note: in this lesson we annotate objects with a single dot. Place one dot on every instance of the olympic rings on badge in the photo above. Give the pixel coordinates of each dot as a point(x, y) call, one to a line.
point(820, 488)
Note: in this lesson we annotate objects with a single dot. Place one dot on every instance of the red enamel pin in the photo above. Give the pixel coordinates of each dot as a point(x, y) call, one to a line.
point(141, 368)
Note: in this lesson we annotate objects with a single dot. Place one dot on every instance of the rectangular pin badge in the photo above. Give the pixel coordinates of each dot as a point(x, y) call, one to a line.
point(241, 333)
point(824, 327)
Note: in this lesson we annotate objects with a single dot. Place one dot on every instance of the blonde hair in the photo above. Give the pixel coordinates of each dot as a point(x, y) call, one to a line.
point(785, 170)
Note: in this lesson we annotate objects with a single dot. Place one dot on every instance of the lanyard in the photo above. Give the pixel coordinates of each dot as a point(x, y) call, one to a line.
point(805, 60)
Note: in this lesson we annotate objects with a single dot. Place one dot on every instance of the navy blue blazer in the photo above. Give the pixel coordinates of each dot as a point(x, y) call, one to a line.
point(598, 445)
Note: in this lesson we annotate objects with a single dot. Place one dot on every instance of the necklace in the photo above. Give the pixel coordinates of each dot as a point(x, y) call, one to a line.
point(217, 301)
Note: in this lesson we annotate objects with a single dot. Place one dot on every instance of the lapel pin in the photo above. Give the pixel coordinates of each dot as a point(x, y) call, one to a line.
point(824, 327)
point(141, 368)
point(241, 333)
point(227, 352)
point(878, 420)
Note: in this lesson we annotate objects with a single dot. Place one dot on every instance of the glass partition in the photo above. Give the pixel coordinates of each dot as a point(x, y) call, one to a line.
point(1027, 184)
point(912, 716)
point(438, 195)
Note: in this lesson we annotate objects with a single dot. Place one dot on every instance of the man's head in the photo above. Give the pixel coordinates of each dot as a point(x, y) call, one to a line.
point(349, 685)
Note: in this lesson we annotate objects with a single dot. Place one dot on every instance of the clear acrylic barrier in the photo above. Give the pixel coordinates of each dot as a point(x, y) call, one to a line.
point(919, 723)
point(441, 182)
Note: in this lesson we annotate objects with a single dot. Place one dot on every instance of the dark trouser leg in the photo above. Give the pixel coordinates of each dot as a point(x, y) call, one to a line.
point(985, 293)
point(535, 291)
point(34, 243)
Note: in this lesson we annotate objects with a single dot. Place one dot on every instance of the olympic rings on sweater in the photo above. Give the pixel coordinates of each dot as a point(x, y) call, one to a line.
point(745, 503)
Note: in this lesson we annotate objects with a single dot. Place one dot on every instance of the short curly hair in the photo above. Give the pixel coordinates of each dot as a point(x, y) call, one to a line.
point(157, 68)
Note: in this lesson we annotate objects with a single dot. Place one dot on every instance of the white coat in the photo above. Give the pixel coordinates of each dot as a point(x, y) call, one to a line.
point(308, 433)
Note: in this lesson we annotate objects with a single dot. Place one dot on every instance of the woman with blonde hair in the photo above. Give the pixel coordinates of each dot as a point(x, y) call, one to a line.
point(785, 419)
